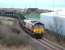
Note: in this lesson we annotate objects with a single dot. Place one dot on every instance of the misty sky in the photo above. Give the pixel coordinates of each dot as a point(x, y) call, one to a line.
point(45, 4)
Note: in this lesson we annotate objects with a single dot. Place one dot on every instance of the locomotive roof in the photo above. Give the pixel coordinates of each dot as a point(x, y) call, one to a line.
point(39, 23)
point(32, 21)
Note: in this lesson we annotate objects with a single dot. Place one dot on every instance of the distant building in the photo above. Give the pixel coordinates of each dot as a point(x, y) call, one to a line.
point(10, 11)
point(29, 12)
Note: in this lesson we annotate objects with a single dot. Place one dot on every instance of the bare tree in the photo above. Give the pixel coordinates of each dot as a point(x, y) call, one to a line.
point(57, 28)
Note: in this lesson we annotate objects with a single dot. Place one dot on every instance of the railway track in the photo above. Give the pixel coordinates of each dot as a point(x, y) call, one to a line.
point(50, 45)
point(46, 43)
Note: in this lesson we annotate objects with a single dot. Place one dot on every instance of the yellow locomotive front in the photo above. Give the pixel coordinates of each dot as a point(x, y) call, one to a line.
point(38, 30)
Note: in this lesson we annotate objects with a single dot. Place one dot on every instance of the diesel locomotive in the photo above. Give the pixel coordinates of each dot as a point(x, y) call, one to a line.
point(35, 27)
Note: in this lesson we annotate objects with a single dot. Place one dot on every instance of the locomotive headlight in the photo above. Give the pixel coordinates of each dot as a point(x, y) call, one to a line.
point(34, 30)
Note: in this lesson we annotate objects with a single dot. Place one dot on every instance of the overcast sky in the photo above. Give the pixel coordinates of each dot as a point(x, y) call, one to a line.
point(45, 4)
